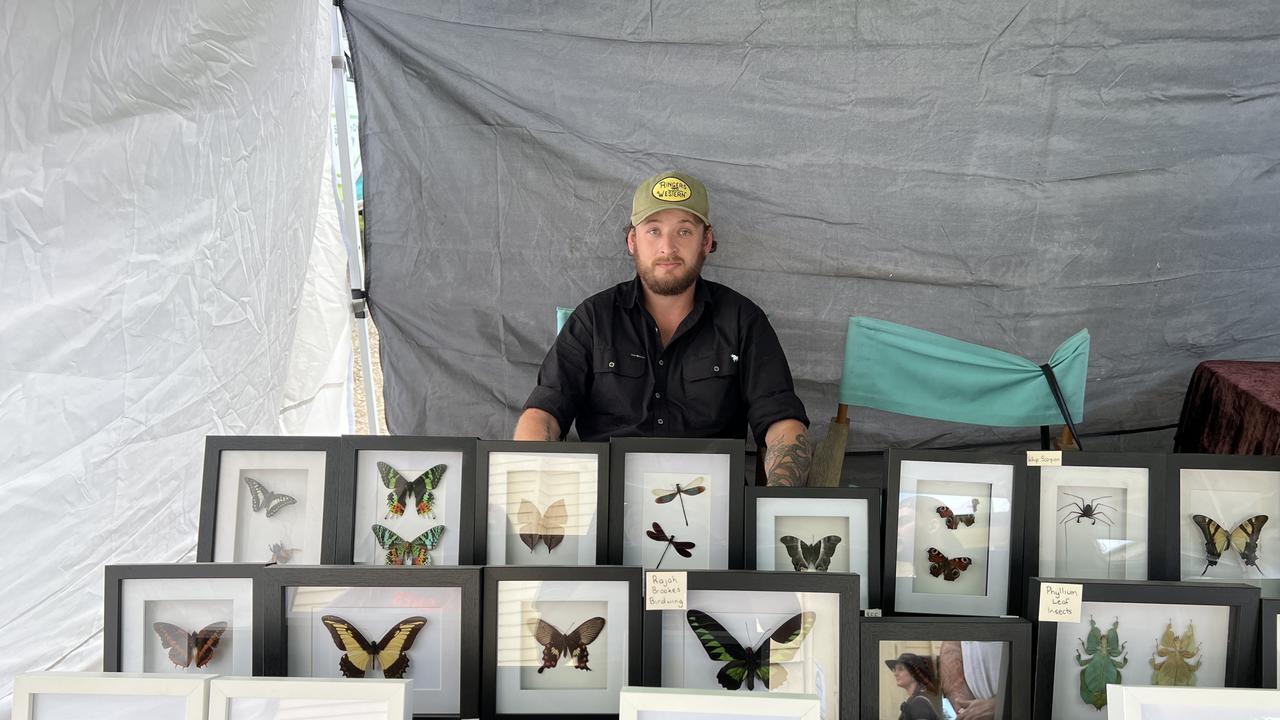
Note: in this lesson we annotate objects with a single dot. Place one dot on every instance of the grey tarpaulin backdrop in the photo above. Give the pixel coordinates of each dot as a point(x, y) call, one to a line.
point(1004, 172)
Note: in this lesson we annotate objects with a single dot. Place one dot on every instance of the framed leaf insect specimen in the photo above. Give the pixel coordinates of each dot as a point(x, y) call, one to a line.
point(817, 530)
point(760, 632)
point(184, 619)
point(379, 622)
point(915, 666)
point(950, 519)
point(406, 500)
point(1270, 641)
point(259, 698)
point(676, 503)
point(1223, 512)
point(560, 641)
point(268, 499)
point(1096, 516)
point(1134, 632)
point(541, 503)
point(109, 696)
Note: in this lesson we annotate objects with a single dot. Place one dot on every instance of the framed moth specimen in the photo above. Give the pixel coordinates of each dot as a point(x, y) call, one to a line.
point(1190, 703)
point(406, 501)
point(811, 529)
point(950, 518)
point(379, 622)
point(109, 696)
point(258, 698)
point(643, 703)
point(1224, 513)
point(268, 499)
point(190, 619)
point(676, 503)
point(542, 503)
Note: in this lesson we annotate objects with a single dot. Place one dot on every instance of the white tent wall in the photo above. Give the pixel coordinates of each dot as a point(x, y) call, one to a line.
point(168, 273)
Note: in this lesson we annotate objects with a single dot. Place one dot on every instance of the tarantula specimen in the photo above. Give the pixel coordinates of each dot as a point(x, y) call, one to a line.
point(1091, 510)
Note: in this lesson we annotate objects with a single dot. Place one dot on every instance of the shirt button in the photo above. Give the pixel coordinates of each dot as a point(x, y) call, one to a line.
point(611, 364)
point(659, 362)
point(659, 421)
point(657, 395)
point(714, 369)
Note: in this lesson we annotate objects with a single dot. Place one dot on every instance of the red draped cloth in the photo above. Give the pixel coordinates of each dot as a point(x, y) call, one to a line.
point(1232, 407)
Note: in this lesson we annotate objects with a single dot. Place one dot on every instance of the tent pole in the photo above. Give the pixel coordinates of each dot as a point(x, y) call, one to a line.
point(350, 224)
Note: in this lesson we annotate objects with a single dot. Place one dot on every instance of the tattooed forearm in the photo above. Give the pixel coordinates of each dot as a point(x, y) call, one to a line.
point(786, 463)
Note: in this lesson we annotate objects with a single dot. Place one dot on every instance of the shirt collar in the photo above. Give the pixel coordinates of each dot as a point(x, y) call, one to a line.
point(632, 294)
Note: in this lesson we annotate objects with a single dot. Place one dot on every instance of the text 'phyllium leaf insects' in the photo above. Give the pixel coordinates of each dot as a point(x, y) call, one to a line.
point(1177, 650)
point(1102, 666)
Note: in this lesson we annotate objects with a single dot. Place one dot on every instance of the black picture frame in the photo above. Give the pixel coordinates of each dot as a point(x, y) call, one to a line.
point(620, 447)
point(215, 445)
point(485, 448)
point(494, 576)
point(843, 585)
point(277, 579)
point(1270, 655)
point(1153, 463)
point(1017, 574)
point(1241, 600)
point(1174, 466)
point(350, 449)
point(1016, 632)
point(875, 526)
point(115, 577)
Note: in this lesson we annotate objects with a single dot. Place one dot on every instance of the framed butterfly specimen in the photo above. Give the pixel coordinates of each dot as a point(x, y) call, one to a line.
point(542, 503)
point(57, 694)
point(181, 618)
point(408, 486)
point(270, 698)
point(692, 488)
point(638, 703)
point(1222, 510)
point(952, 518)
point(379, 622)
point(560, 641)
point(268, 499)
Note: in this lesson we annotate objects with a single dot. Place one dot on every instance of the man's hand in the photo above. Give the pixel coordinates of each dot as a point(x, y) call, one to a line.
point(981, 709)
point(535, 424)
point(786, 462)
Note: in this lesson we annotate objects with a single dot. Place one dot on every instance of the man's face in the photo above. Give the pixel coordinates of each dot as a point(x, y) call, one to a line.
point(669, 248)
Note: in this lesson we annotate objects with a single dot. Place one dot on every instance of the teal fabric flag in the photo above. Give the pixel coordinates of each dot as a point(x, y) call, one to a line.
point(562, 314)
point(905, 370)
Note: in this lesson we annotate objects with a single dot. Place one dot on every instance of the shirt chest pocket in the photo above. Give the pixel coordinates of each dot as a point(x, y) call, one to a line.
point(619, 379)
point(711, 388)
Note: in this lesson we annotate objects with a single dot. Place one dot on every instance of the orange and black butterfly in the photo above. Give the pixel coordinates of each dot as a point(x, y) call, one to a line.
point(948, 568)
point(391, 651)
point(556, 644)
point(184, 647)
point(954, 521)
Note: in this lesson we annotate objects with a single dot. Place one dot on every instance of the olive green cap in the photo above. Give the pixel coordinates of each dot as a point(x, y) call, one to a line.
point(667, 190)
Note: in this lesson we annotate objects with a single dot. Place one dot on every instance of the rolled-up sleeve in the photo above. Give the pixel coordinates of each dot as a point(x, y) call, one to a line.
point(767, 387)
point(566, 371)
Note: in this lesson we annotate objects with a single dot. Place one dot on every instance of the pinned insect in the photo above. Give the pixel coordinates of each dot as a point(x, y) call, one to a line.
point(281, 554)
point(683, 548)
point(1091, 510)
point(953, 520)
point(694, 488)
point(1177, 650)
point(1244, 539)
point(1102, 667)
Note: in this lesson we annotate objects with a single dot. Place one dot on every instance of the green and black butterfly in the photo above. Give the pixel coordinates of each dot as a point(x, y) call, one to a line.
point(742, 664)
point(261, 498)
point(415, 550)
point(420, 488)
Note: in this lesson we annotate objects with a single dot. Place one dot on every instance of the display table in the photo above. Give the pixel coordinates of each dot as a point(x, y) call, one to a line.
point(1232, 407)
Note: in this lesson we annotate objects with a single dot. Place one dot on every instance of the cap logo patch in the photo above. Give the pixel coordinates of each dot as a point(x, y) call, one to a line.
point(671, 189)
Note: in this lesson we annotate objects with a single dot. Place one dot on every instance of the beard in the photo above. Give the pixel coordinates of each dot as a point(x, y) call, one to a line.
point(672, 283)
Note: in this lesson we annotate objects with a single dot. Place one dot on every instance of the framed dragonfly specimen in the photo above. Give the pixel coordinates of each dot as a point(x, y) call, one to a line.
point(677, 502)
point(816, 530)
point(268, 499)
point(406, 500)
point(109, 696)
point(379, 622)
point(542, 503)
point(560, 641)
point(1223, 512)
point(241, 698)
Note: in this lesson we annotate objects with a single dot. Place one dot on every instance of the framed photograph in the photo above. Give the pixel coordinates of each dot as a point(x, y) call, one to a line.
point(1270, 641)
point(542, 503)
point(257, 698)
point(760, 632)
point(1224, 513)
point(1190, 703)
point(190, 619)
point(406, 500)
point(1134, 632)
point(936, 667)
point(108, 696)
point(950, 518)
point(811, 529)
point(268, 499)
point(1096, 516)
point(644, 703)
point(676, 503)
point(560, 641)
point(422, 626)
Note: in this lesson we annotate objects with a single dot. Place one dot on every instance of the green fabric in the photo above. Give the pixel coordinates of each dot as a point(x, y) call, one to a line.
point(915, 372)
point(562, 314)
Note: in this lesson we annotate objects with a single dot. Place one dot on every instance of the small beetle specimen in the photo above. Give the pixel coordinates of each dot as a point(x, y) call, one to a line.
point(1102, 667)
point(1091, 510)
point(1177, 650)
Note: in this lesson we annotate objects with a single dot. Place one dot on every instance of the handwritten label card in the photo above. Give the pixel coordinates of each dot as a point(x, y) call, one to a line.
point(666, 590)
point(1060, 602)
point(1044, 458)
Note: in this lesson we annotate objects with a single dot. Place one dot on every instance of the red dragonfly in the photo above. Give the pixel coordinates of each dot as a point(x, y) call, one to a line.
point(682, 547)
point(694, 488)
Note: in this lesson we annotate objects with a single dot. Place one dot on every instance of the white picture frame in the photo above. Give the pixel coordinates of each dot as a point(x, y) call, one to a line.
point(645, 703)
point(1125, 702)
point(109, 696)
point(260, 698)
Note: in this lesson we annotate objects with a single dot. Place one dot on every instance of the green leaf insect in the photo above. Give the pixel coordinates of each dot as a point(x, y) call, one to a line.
point(1177, 652)
point(1102, 664)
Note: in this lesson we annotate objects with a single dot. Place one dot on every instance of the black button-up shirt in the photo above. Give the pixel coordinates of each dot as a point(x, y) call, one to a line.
point(722, 370)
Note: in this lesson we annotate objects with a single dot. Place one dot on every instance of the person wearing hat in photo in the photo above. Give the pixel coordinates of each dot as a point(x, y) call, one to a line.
point(669, 353)
point(915, 675)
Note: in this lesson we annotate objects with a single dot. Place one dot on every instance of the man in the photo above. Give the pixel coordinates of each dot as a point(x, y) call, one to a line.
point(669, 353)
